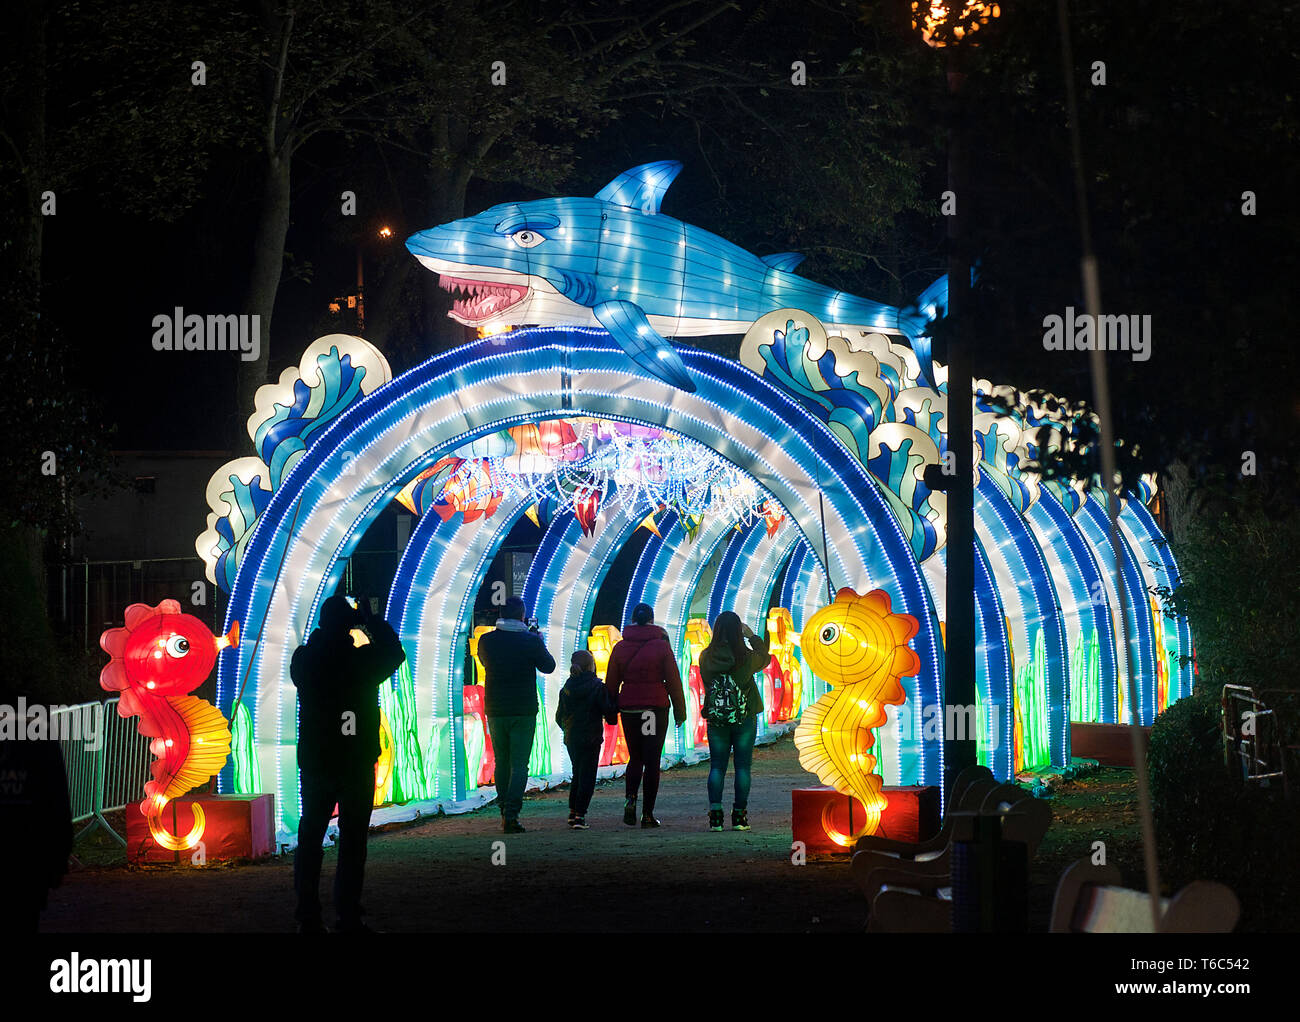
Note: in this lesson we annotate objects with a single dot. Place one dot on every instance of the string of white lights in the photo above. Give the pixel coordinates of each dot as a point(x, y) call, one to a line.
point(633, 474)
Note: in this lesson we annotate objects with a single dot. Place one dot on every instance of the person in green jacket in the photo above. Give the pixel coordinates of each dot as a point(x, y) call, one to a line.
point(732, 703)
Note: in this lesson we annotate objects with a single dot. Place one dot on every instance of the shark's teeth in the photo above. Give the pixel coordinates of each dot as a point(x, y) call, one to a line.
point(479, 300)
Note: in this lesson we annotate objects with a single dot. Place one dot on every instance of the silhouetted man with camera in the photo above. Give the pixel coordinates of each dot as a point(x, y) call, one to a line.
point(338, 674)
point(512, 654)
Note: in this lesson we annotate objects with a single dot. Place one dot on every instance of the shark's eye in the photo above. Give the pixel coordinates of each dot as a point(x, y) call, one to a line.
point(178, 646)
point(527, 239)
point(829, 634)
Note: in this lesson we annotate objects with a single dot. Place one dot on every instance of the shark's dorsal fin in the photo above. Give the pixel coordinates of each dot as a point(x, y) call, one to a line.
point(628, 325)
point(641, 187)
point(783, 260)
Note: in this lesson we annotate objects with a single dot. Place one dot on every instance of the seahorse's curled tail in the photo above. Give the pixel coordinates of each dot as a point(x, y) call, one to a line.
point(834, 740)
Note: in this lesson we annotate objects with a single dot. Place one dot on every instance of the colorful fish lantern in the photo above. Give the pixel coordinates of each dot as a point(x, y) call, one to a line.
point(858, 646)
point(155, 662)
point(698, 636)
point(648, 522)
point(470, 491)
point(773, 516)
point(780, 633)
point(586, 505)
point(480, 759)
point(601, 644)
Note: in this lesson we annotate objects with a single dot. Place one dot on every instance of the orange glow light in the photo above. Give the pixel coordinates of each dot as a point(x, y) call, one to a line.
point(948, 22)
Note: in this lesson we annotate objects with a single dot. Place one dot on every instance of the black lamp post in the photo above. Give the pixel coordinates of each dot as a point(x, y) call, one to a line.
point(952, 25)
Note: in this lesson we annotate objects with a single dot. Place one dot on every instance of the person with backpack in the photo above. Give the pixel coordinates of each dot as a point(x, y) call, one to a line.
point(584, 705)
point(732, 703)
point(643, 681)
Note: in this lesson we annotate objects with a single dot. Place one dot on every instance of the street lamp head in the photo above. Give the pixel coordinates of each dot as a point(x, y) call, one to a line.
point(385, 232)
point(952, 22)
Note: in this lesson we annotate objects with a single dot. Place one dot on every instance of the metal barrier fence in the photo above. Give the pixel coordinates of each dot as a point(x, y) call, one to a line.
point(109, 776)
point(89, 596)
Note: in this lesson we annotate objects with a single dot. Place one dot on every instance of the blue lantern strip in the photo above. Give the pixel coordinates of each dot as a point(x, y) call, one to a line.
point(1008, 539)
point(807, 592)
point(679, 564)
point(1140, 655)
point(740, 548)
point(645, 569)
point(1156, 546)
point(1153, 570)
point(749, 590)
point(567, 585)
point(432, 605)
point(1087, 582)
point(397, 430)
point(993, 664)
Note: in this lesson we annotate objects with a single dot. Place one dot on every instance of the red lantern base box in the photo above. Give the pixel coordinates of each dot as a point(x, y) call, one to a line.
point(235, 827)
point(912, 815)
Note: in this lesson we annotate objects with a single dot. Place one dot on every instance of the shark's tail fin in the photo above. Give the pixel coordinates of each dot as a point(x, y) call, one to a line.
point(915, 321)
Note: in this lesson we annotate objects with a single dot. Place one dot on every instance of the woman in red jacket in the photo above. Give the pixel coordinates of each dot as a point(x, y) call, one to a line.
point(643, 681)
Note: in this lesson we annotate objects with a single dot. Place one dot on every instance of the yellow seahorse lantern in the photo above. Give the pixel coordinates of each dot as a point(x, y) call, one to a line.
point(859, 646)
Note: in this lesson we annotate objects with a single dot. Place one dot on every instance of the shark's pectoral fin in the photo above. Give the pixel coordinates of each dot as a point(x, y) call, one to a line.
point(628, 325)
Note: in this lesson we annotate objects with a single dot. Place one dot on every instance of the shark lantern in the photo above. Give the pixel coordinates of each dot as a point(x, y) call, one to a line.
point(616, 261)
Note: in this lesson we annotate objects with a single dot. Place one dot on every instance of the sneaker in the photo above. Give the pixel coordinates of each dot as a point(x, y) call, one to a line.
point(357, 927)
point(313, 926)
point(512, 827)
point(572, 816)
point(629, 812)
point(648, 822)
point(739, 819)
point(715, 819)
point(579, 823)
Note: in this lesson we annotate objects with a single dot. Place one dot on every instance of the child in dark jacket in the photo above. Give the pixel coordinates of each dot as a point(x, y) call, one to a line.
point(582, 711)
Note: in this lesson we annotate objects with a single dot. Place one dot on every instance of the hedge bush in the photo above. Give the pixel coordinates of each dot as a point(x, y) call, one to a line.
point(1212, 826)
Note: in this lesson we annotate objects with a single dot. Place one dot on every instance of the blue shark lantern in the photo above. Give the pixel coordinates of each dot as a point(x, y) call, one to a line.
point(617, 261)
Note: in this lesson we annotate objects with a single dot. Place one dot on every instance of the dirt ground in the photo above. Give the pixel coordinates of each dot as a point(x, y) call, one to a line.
point(437, 875)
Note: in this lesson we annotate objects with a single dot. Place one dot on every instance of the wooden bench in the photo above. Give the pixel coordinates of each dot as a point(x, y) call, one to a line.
point(1090, 900)
point(911, 897)
point(970, 788)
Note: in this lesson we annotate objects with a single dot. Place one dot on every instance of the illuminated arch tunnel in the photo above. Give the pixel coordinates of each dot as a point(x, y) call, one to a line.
point(1046, 618)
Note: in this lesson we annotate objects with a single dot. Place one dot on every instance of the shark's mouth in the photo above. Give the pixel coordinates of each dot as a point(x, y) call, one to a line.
point(477, 301)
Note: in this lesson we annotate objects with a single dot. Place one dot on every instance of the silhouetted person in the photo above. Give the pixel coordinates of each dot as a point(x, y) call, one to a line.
point(643, 680)
point(732, 703)
point(512, 654)
point(35, 824)
point(583, 708)
point(338, 743)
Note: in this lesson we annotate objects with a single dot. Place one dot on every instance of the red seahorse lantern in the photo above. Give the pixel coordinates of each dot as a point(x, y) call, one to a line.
point(155, 661)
